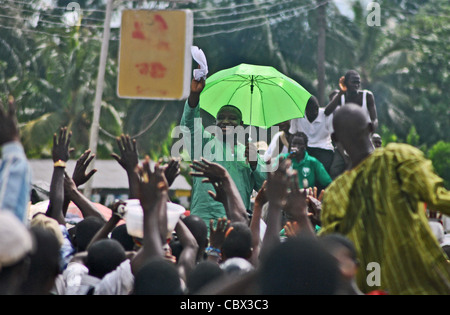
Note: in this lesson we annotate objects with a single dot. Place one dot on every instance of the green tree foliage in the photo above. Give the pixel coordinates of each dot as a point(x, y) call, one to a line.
point(51, 68)
point(439, 154)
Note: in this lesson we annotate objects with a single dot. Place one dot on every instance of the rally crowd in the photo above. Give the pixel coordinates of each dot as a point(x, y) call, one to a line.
point(338, 213)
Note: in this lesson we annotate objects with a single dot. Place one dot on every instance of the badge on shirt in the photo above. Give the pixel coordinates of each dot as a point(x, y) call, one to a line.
point(306, 171)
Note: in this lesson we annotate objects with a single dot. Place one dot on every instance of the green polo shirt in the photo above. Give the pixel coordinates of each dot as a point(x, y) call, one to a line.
point(311, 169)
point(202, 143)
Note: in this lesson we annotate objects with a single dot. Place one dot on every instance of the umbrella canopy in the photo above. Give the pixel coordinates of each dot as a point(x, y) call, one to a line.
point(264, 95)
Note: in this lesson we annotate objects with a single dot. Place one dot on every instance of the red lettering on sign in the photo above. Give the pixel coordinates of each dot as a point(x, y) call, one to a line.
point(137, 33)
point(144, 68)
point(161, 22)
point(155, 69)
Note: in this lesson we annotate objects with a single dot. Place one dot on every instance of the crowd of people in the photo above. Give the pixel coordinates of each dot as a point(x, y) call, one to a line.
point(339, 214)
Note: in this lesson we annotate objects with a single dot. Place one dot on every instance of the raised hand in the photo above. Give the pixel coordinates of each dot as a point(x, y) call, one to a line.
point(217, 235)
point(196, 88)
point(119, 208)
point(277, 184)
point(61, 150)
point(128, 158)
point(296, 201)
point(79, 175)
point(9, 131)
point(151, 184)
point(172, 170)
point(214, 172)
point(342, 86)
point(251, 154)
point(261, 197)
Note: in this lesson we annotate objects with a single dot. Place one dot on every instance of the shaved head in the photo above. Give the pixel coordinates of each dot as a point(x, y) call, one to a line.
point(350, 120)
point(352, 130)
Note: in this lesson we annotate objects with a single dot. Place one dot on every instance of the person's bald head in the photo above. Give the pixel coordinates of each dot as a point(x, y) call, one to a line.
point(350, 126)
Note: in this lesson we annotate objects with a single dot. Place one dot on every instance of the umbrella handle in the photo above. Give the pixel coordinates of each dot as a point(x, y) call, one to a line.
point(251, 105)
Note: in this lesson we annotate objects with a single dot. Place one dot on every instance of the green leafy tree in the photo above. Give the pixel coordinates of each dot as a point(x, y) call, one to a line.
point(439, 154)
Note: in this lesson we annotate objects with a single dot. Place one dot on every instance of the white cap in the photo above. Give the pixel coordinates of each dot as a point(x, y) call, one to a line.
point(15, 239)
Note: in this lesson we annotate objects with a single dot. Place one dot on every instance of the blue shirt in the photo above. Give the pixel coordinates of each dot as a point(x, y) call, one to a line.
point(15, 180)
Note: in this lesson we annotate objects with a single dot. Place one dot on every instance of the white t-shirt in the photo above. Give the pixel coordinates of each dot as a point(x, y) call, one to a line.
point(318, 132)
point(75, 280)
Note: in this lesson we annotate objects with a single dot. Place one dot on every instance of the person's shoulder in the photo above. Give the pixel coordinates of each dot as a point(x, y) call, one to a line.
point(403, 150)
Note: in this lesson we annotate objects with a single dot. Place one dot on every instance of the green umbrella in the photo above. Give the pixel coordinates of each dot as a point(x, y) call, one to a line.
point(264, 95)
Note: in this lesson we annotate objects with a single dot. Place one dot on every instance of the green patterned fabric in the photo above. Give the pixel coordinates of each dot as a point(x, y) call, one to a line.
point(380, 206)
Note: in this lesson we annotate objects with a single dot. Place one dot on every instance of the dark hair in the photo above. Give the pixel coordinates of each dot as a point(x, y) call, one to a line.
point(157, 277)
point(299, 135)
point(203, 274)
point(298, 266)
point(85, 231)
point(104, 256)
point(238, 243)
point(120, 234)
point(44, 263)
point(198, 228)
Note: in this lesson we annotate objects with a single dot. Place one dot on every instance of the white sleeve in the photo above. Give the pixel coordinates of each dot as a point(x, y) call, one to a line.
point(117, 282)
point(294, 126)
point(274, 143)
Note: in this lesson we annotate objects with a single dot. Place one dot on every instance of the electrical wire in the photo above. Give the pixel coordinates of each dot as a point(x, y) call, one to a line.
point(241, 12)
point(265, 16)
point(281, 19)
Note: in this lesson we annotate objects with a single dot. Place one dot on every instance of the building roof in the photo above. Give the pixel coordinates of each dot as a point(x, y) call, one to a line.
point(110, 175)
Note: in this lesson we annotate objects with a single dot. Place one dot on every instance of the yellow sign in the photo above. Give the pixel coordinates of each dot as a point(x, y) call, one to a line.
point(155, 59)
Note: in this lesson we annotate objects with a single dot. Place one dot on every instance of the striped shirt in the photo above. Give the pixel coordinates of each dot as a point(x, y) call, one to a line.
point(379, 205)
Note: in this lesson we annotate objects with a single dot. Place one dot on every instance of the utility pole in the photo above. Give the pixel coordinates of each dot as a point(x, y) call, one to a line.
point(321, 40)
point(93, 139)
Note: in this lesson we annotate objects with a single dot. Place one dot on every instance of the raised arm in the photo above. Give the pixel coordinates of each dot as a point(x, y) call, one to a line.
point(129, 160)
point(296, 207)
point(152, 192)
point(196, 89)
point(79, 175)
point(60, 156)
point(255, 223)
point(188, 257)
point(118, 213)
point(336, 100)
point(86, 207)
point(276, 192)
point(226, 189)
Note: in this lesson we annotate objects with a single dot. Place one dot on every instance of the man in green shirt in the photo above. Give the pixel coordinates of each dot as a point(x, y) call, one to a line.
point(308, 167)
point(242, 162)
point(379, 205)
